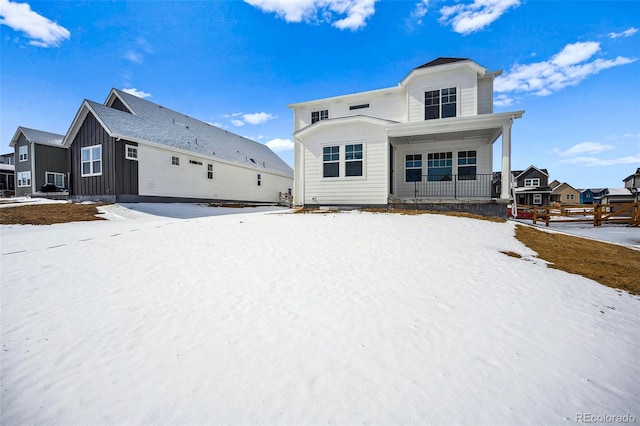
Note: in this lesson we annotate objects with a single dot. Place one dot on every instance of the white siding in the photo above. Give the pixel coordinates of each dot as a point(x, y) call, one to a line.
point(485, 95)
point(158, 177)
point(371, 188)
point(390, 105)
point(406, 189)
point(464, 80)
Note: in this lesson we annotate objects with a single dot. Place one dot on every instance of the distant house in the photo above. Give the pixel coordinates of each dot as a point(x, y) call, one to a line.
point(429, 140)
point(532, 186)
point(617, 195)
point(7, 175)
point(633, 181)
point(129, 149)
point(590, 195)
point(40, 159)
point(564, 193)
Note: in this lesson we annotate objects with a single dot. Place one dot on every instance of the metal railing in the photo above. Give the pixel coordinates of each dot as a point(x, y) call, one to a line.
point(454, 186)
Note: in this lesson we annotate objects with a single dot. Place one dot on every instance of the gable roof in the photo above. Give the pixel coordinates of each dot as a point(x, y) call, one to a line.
point(520, 173)
point(38, 136)
point(152, 123)
point(441, 61)
point(637, 173)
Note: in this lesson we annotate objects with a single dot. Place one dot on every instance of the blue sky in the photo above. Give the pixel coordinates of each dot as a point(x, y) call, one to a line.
point(571, 65)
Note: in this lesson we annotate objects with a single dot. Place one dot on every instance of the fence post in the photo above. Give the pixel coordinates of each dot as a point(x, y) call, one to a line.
point(547, 214)
point(597, 215)
point(535, 214)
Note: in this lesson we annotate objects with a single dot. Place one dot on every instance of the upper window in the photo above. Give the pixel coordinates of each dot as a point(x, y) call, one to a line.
point(331, 161)
point(440, 103)
point(56, 179)
point(92, 160)
point(413, 168)
point(360, 106)
point(353, 160)
point(131, 152)
point(467, 165)
point(23, 153)
point(532, 182)
point(319, 115)
point(439, 166)
point(175, 160)
point(209, 171)
point(24, 178)
point(259, 179)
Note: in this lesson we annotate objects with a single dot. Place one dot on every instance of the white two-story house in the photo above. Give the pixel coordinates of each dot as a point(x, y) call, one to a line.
point(427, 141)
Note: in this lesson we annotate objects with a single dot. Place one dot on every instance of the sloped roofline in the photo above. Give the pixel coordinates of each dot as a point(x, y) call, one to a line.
point(533, 167)
point(21, 129)
point(113, 94)
point(341, 120)
point(84, 109)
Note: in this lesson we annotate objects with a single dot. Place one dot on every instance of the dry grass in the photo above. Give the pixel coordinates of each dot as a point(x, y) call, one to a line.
point(609, 264)
point(47, 214)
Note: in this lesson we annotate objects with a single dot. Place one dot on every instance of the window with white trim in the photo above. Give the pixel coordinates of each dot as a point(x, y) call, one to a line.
point(319, 115)
point(571, 197)
point(413, 168)
point(54, 178)
point(175, 160)
point(467, 165)
point(353, 160)
point(209, 171)
point(439, 166)
point(537, 198)
point(331, 161)
point(23, 153)
point(131, 152)
point(91, 161)
point(259, 179)
point(24, 179)
point(532, 182)
point(441, 103)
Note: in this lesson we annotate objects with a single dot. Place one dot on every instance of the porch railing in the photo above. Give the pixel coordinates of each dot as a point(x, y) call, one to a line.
point(454, 186)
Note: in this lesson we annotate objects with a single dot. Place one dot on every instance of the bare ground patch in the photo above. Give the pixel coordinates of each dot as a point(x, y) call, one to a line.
point(48, 214)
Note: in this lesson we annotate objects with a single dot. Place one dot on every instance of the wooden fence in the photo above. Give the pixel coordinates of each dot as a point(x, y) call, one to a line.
point(622, 213)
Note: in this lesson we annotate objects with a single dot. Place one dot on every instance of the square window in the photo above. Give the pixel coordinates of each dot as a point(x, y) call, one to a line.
point(319, 115)
point(175, 161)
point(131, 152)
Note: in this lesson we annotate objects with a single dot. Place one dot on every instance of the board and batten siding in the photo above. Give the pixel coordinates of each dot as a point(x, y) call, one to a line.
point(484, 157)
point(23, 166)
point(50, 159)
point(371, 188)
point(464, 80)
point(159, 177)
point(126, 176)
point(91, 133)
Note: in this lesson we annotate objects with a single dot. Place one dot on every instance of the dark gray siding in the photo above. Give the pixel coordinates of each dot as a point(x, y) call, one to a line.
point(50, 159)
point(96, 187)
point(126, 175)
point(117, 104)
point(532, 174)
point(22, 166)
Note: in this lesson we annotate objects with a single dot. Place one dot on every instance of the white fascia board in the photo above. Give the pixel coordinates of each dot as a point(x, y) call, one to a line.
point(479, 70)
point(194, 154)
point(532, 167)
point(114, 94)
point(340, 121)
point(85, 108)
point(16, 136)
point(476, 122)
point(344, 98)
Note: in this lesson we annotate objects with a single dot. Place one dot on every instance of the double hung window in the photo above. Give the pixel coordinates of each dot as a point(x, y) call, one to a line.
point(91, 160)
point(353, 160)
point(23, 153)
point(413, 168)
point(440, 103)
point(24, 178)
point(467, 165)
point(331, 161)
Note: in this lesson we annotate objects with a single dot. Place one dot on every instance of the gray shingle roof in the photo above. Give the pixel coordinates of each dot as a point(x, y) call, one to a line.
point(155, 123)
point(38, 136)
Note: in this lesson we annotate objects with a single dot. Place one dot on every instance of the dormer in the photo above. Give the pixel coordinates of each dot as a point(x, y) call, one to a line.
point(115, 101)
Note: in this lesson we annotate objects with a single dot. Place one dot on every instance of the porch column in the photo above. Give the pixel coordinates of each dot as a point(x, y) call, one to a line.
point(505, 190)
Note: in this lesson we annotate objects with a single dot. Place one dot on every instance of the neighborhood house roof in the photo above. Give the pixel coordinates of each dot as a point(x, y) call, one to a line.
point(153, 123)
point(38, 136)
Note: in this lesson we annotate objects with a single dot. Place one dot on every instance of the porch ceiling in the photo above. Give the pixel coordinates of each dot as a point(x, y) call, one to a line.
point(488, 135)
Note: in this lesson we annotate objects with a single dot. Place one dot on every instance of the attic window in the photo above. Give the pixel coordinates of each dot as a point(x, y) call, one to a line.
point(361, 106)
point(131, 152)
point(197, 163)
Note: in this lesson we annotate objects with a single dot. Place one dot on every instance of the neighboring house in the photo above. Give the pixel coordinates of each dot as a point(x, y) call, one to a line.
point(40, 159)
point(532, 187)
point(590, 195)
point(131, 150)
point(564, 193)
point(633, 181)
point(428, 140)
point(7, 175)
point(617, 195)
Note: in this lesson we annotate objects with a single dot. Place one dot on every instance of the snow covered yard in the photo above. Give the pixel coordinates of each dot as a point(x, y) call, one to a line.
point(263, 317)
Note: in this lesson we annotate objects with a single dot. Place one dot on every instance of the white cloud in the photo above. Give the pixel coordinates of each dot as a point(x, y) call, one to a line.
point(356, 11)
point(139, 93)
point(567, 68)
point(257, 118)
point(503, 100)
point(415, 18)
point(133, 57)
point(42, 31)
point(237, 123)
point(468, 18)
point(136, 55)
point(584, 148)
point(627, 33)
point(278, 145)
point(594, 162)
